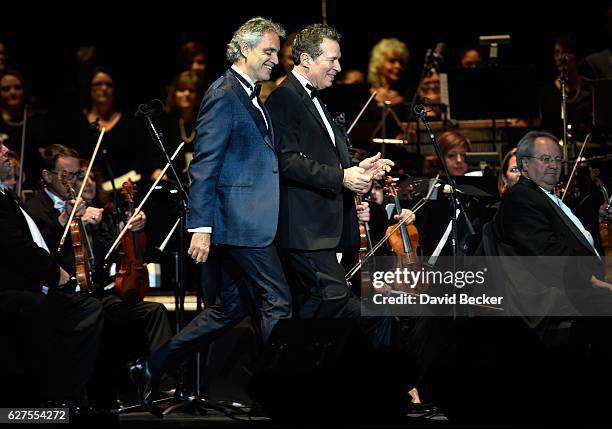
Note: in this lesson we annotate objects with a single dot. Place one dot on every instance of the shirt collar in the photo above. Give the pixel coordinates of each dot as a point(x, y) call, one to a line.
point(244, 75)
point(54, 198)
point(303, 81)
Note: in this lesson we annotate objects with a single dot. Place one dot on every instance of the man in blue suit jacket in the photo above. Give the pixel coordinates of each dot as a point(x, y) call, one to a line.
point(234, 202)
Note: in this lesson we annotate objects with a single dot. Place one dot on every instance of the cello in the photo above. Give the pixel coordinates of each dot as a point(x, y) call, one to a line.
point(81, 245)
point(132, 278)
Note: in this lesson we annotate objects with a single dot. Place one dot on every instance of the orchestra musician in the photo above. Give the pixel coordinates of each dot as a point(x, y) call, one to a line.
point(132, 327)
point(57, 331)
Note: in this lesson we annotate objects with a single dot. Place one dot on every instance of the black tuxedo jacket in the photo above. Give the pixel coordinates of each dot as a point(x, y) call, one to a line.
point(23, 264)
point(316, 211)
point(45, 215)
point(557, 274)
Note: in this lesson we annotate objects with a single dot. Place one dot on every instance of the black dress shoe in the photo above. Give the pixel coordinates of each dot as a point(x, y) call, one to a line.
point(141, 376)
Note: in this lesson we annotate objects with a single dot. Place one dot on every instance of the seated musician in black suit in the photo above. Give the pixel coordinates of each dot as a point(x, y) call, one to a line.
point(57, 331)
point(132, 327)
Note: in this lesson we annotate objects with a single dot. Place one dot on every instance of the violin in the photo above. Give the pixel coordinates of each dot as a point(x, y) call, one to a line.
point(81, 245)
point(132, 278)
point(365, 242)
point(405, 239)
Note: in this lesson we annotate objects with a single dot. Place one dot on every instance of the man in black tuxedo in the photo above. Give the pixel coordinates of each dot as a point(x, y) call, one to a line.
point(532, 221)
point(58, 332)
point(318, 217)
point(556, 286)
point(132, 327)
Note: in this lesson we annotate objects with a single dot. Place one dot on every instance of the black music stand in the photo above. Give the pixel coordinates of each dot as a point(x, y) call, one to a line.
point(493, 93)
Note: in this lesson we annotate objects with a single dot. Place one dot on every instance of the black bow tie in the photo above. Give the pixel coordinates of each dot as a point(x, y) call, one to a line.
point(254, 90)
point(314, 92)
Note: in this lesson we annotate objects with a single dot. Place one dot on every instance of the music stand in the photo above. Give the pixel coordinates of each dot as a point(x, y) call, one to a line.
point(493, 93)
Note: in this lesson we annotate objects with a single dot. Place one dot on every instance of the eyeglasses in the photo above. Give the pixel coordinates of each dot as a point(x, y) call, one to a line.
point(80, 175)
point(547, 159)
point(515, 169)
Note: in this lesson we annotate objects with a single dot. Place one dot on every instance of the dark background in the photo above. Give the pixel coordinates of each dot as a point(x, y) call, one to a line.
point(140, 41)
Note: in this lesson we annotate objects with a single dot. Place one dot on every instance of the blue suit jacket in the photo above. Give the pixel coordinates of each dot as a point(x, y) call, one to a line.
point(234, 171)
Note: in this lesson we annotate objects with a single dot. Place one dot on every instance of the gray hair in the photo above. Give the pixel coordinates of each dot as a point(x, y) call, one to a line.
point(524, 148)
point(251, 33)
point(308, 41)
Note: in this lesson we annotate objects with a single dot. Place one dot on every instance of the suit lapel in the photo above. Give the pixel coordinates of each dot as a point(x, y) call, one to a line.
point(310, 106)
point(566, 220)
point(340, 147)
point(248, 105)
point(15, 204)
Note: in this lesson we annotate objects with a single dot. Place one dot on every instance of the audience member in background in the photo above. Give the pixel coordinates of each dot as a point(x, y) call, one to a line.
point(388, 59)
point(386, 68)
point(579, 92)
point(104, 107)
point(470, 57)
point(178, 123)
point(351, 77)
point(430, 94)
point(454, 147)
point(192, 57)
point(15, 95)
point(284, 58)
point(509, 173)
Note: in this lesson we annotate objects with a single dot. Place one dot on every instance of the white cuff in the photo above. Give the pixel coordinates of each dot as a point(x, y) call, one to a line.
point(205, 229)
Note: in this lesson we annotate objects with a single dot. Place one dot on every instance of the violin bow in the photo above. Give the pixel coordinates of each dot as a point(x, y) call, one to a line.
point(144, 200)
point(22, 151)
point(74, 208)
point(415, 209)
point(569, 181)
point(361, 112)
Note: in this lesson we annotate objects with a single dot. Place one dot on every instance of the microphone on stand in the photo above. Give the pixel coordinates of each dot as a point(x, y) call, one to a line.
point(154, 107)
point(419, 109)
point(435, 58)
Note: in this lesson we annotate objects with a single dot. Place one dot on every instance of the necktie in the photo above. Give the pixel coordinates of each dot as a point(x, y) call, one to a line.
point(314, 92)
point(59, 205)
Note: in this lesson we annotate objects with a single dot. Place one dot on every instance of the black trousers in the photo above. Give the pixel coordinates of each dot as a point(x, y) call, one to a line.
point(318, 283)
point(131, 330)
point(227, 270)
point(55, 338)
point(77, 321)
point(25, 337)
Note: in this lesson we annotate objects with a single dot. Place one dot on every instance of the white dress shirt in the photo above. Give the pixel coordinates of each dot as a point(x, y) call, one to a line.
point(34, 232)
point(572, 217)
point(317, 104)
